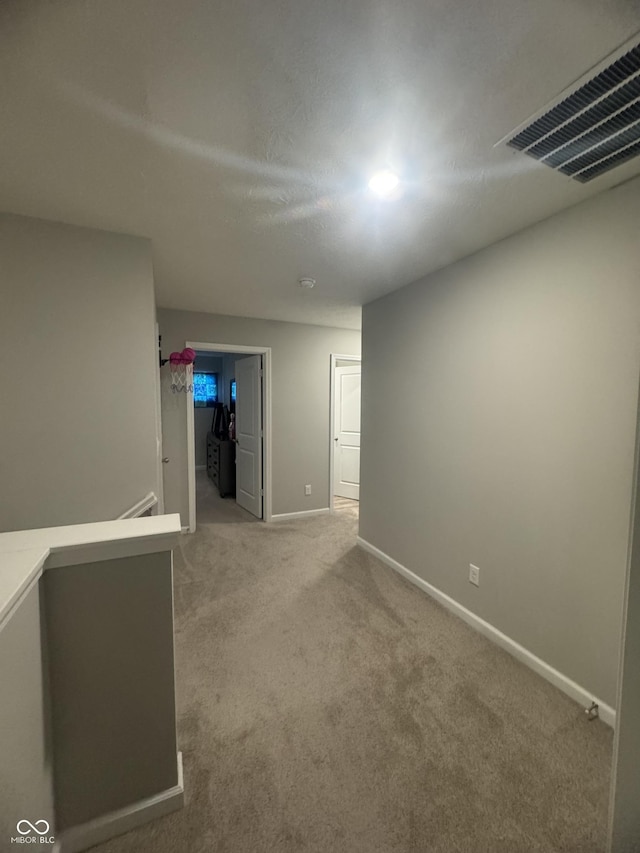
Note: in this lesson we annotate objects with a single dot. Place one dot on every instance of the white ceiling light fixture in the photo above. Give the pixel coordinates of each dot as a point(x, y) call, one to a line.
point(384, 183)
point(306, 282)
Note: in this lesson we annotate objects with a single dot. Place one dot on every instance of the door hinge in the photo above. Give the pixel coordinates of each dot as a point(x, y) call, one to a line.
point(261, 493)
point(261, 373)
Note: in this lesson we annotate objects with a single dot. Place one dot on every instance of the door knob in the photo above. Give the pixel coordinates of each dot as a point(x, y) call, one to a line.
point(165, 459)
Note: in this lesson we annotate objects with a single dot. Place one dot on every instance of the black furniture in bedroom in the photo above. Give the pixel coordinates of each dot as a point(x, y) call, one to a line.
point(221, 464)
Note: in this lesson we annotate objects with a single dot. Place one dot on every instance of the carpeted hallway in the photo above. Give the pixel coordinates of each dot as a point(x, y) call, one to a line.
point(325, 704)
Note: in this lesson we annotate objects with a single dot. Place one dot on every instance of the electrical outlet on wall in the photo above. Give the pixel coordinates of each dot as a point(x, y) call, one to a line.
point(307, 490)
point(474, 575)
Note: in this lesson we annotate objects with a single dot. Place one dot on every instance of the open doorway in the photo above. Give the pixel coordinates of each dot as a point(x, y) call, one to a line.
point(344, 434)
point(228, 433)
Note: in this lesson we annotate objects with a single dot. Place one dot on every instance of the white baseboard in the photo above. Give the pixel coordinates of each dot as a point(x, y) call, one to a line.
point(142, 506)
point(307, 513)
point(575, 691)
point(108, 826)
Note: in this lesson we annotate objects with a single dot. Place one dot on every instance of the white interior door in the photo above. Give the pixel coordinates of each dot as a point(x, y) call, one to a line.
point(249, 434)
point(346, 455)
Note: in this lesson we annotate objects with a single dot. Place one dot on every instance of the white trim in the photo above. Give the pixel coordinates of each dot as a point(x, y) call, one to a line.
point(27, 553)
point(191, 461)
point(230, 348)
point(575, 691)
point(334, 359)
point(141, 507)
point(305, 513)
point(265, 352)
point(21, 571)
point(123, 820)
point(158, 396)
point(97, 541)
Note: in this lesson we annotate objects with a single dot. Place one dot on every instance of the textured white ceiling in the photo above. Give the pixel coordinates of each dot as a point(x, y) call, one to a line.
point(239, 136)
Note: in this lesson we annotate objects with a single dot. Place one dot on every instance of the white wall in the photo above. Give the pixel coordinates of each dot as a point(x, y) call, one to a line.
point(300, 397)
point(78, 425)
point(499, 410)
point(26, 765)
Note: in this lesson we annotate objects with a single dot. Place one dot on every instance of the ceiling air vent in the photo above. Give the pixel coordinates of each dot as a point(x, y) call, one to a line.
point(593, 129)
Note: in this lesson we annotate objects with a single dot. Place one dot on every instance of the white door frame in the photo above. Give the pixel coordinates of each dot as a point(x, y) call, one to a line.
point(159, 507)
point(265, 352)
point(335, 358)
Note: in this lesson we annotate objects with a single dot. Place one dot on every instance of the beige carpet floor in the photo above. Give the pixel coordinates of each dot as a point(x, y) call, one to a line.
point(325, 704)
point(340, 504)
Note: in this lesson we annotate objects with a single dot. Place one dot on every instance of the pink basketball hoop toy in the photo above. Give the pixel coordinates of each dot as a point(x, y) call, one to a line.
point(181, 366)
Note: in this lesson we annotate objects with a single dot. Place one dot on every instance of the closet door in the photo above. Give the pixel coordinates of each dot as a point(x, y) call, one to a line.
point(346, 457)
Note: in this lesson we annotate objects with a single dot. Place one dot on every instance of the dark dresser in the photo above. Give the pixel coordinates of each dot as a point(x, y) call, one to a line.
point(221, 464)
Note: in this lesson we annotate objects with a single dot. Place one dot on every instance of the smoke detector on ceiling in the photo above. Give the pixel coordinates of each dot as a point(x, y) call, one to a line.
point(306, 282)
point(592, 127)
